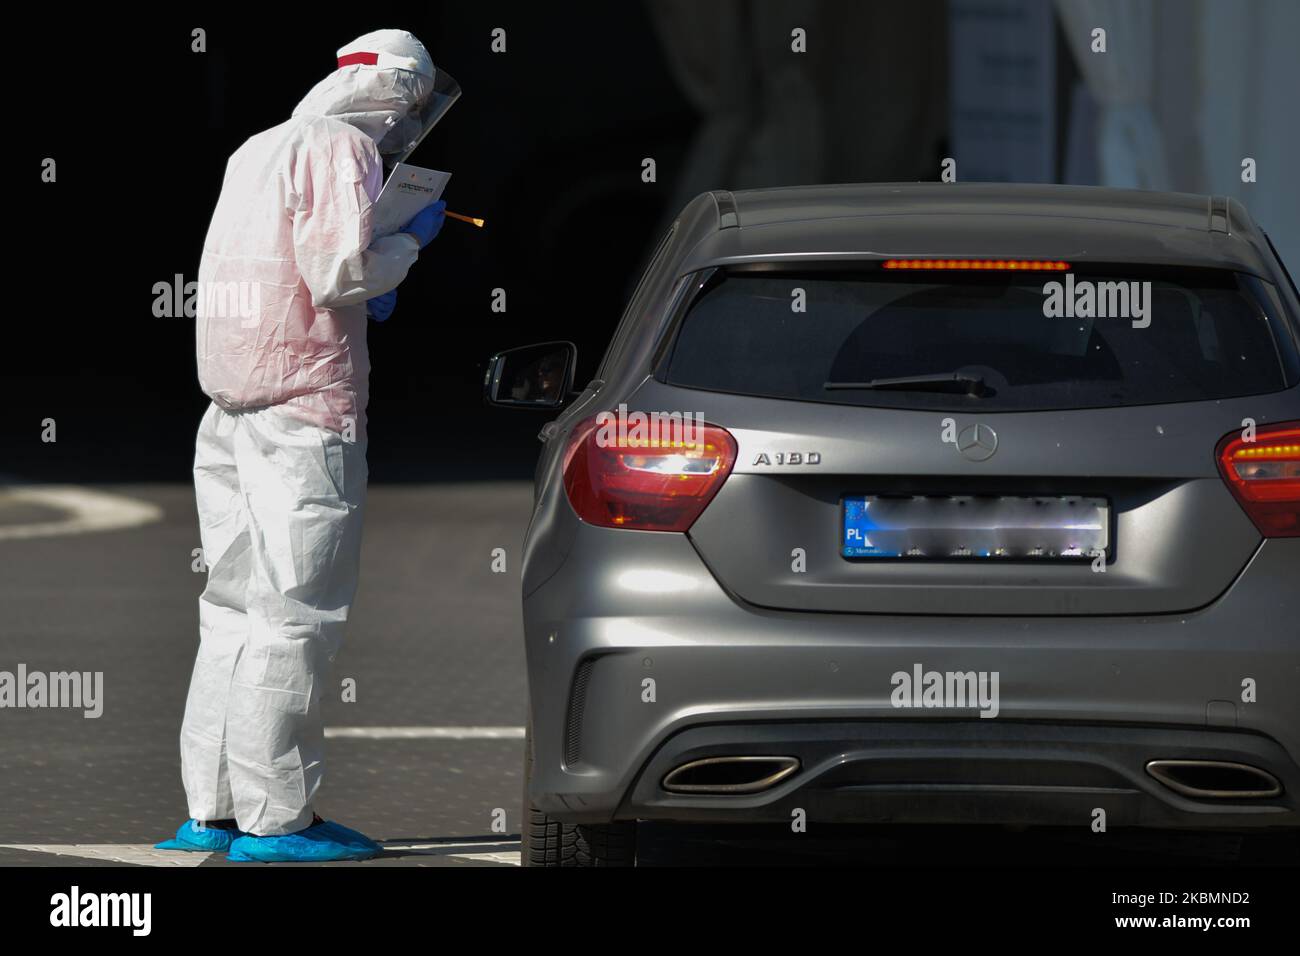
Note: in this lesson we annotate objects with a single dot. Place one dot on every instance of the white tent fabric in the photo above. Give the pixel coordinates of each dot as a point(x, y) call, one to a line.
point(1249, 83)
point(1130, 146)
point(1186, 90)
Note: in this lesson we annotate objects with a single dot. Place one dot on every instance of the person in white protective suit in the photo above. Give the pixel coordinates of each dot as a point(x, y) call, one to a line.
point(289, 272)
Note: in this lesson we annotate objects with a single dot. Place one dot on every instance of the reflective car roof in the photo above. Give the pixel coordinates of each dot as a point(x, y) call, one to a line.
point(881, 220)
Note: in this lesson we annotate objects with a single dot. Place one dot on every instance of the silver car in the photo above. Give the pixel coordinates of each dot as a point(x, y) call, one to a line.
point(921, 503)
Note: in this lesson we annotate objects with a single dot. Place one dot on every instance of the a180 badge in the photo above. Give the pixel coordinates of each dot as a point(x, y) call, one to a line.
point(788, 458)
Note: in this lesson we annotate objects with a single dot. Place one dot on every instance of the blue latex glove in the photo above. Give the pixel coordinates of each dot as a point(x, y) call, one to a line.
point(319, 843)
point(381, 306)
point(427, 222)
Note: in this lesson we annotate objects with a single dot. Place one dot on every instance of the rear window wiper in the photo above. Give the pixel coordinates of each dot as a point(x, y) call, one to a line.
point(943, 382)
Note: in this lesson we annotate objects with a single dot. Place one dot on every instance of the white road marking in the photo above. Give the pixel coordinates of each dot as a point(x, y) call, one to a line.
point(486, 852)
point(86, 511)
point(426, 733)
point(447, 844)
point(504, 859)
point(135, 854)
point(145, 854)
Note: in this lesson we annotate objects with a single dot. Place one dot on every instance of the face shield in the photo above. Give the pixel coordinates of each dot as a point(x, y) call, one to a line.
point(410, 130)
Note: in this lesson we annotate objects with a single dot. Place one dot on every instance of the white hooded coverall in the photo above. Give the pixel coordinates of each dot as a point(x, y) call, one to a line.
point(280, 466)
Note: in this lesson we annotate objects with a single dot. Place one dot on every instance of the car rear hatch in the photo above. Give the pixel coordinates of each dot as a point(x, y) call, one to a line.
point(922, 440)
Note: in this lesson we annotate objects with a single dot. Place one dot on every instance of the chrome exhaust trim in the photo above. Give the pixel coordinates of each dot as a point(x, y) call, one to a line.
point(1254, 784)
point(697, 773)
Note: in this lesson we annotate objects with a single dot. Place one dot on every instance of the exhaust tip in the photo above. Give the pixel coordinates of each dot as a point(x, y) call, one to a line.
point(730, 775)
point(1215, 779)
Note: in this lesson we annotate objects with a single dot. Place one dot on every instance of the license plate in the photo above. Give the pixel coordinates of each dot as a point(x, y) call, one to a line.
point(1067, 527)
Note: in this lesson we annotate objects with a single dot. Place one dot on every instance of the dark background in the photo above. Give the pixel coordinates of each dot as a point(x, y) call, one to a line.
point(546, 144)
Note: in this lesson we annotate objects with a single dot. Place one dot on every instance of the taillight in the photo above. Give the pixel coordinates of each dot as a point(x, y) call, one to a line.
point(646, 484)
point(1264, 475)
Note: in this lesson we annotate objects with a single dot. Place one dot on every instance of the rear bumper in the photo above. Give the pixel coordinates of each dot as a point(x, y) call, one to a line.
point(995, 772)
point(637, 659)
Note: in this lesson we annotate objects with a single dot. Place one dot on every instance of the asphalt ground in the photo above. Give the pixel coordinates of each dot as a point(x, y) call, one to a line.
point(435, 641)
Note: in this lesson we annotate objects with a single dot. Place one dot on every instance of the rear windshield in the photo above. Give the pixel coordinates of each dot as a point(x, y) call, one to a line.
point(951, 340)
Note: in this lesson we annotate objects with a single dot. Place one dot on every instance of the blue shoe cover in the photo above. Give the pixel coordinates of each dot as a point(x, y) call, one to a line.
point(320, 843)
point(198, 839)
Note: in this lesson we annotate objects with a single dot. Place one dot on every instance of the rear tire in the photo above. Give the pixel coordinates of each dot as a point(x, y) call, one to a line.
point(550, 842)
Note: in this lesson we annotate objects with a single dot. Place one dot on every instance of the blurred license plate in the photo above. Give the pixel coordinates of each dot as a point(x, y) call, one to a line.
point(1068, 527)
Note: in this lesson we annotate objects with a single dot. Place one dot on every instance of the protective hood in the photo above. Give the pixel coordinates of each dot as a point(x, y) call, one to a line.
point(386, 86)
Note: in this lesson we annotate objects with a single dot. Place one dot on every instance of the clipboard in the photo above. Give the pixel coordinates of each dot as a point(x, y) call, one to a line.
point(407, 190)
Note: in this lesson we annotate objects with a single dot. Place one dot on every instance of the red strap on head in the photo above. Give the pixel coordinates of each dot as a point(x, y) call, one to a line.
point(369, 59)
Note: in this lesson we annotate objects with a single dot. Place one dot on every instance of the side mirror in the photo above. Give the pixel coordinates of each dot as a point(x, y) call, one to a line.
point(532, 376)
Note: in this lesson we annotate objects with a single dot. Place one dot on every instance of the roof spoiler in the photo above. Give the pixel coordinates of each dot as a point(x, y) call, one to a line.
point(728, 216)
point(1220, 221)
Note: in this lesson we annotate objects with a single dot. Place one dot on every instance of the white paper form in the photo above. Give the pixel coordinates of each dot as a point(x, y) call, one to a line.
point(408, 190)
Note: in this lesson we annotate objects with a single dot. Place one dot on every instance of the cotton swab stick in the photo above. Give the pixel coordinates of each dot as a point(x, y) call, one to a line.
point(470, 219)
